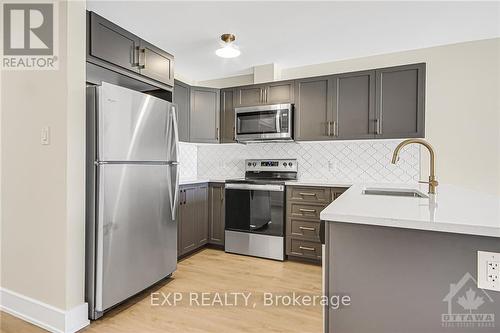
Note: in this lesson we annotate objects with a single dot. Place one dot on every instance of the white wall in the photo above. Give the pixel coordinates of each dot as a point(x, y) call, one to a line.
point(462, 106)
point(42, 186)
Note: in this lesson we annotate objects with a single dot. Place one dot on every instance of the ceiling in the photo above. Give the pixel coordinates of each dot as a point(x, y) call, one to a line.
point(293, 34)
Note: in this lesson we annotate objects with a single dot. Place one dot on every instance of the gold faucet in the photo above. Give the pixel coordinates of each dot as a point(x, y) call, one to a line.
point(433, 183)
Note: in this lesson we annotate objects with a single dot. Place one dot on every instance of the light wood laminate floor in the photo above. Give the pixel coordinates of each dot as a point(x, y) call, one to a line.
point(213, 271)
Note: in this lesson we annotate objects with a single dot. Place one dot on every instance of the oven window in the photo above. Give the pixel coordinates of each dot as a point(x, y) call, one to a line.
point(255, 211)
point(257, 122)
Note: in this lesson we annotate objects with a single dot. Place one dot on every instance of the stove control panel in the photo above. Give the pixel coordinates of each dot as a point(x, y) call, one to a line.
point(280, 165)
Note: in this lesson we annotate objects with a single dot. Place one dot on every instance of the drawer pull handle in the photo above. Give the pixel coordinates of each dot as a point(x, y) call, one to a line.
point(307, 248)
point(307, 228)
point(304, 194)
point(303, 210)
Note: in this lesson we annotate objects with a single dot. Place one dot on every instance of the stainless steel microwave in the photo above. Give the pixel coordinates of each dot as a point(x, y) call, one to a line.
point(264, 123)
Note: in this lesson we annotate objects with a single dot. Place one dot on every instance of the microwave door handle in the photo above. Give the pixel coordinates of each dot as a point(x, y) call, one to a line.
point(278, 123)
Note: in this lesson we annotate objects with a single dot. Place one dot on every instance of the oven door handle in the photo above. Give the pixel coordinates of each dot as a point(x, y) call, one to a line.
point(256, 187)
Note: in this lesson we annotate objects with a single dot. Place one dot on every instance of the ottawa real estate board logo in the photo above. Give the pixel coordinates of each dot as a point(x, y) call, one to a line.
point(469, 307)
point(29, 36)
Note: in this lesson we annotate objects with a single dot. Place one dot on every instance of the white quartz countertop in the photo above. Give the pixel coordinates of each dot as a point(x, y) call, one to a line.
point(453, 209)
point(318, 182)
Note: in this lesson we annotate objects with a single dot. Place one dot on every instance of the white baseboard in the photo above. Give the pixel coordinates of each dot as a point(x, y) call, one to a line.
point(44, 315)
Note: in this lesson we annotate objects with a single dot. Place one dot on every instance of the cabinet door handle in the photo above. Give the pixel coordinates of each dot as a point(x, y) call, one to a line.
point(234, 134)
point(304, 210)
point(217, 138)
point(261, 99)
point(328, 128)
point(307, 248)
point(138, 64)
point(307, 228)
point(135, 56)
point(378, 127)
point(305, 194)
point(265, 95)
point(335, 128)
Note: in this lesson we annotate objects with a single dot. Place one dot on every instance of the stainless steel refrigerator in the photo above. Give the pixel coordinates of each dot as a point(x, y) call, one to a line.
point(132, 194)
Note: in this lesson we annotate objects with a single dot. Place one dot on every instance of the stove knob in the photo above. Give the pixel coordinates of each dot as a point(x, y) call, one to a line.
point(284, 164)
point(249, 164)
point(254, 164)
point(290, 164)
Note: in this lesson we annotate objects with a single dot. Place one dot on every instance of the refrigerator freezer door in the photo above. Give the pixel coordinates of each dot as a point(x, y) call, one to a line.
point(136, 236)
point(132, 126)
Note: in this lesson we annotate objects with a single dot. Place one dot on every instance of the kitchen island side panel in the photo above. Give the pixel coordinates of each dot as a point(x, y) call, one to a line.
point(399, 279)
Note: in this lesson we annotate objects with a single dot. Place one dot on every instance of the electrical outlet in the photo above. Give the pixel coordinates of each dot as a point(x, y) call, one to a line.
point(488, 270)
point(492, 271)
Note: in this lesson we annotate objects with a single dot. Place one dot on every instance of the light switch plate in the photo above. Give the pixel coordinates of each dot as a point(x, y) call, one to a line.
point(488, 274)
point(45, 136)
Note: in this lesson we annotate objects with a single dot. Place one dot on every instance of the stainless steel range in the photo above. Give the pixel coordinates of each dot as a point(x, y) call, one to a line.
point(255, 208)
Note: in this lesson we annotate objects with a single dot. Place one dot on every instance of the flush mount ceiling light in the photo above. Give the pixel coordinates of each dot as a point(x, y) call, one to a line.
point(229, 50)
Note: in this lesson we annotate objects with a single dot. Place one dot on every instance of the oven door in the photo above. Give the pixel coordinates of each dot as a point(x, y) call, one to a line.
point(264, 122)
point(255, 208)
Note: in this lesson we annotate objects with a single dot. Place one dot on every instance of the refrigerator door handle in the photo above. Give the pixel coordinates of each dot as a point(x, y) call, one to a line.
point(176, 146)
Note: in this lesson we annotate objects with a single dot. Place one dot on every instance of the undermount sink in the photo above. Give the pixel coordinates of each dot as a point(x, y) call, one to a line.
point(395, 192)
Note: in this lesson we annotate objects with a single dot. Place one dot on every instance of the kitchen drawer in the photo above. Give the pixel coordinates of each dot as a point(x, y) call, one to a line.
point(309, 194)
point(305, 249)
point(303, 229)
point(305, 210)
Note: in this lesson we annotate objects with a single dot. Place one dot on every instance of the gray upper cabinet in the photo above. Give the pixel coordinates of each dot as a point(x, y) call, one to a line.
point(204, 115)
point(216, 222)
point(182, 98)
point(353, 106)
point(156, 63)
point(279, 92)
point(227, 116)
point(110, 43)
point(400, 102)
point(313, 108)
point(114, 48)
point(249, 95)
point(268, 93)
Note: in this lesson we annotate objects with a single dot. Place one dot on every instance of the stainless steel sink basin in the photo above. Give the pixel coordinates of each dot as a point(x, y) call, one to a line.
point(395, 192)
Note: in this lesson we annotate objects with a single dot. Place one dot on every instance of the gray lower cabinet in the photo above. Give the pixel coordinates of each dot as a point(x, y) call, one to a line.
point(353, 106)
point(400, 100)
point(303, 207)
point(115, 48)
point(216, 222)
point(193, 218)
point(227, 125)
point(182, 97)
point(313, 108)
point(204, 115)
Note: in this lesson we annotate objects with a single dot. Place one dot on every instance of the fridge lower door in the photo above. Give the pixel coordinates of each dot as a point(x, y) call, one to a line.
point(136, 237)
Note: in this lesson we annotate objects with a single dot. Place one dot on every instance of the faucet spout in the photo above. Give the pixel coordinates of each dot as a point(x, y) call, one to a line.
point(433, 183)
